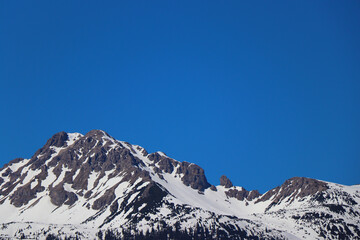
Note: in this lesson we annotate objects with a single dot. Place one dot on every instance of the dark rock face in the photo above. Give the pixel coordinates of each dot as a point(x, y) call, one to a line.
point(59, 196)
point(16, 160)
point(58, 140)
point(242, 194)
point(114, 207)
point(194, 176)
point(224, 181)
point(81, 180)
point(296, 187)
point(7, 172)
point(44, 153)
point(308, 186)
point(253, 194)
point(71, 198)
point(24, 194)
point(166, 165)
point(105, 200)
point(155, 157)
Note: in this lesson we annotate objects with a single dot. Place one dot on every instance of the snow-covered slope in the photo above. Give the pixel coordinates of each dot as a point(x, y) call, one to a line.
point(94, 186)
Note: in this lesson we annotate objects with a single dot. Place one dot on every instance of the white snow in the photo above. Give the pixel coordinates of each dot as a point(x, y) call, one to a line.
point(68, 188)
point(15, 166)
point(161, 154)
point(76, 173)
point(73, 137)
point(33, 184)
point(30, 175)
point(91, 180)
point(142, 206)
point(50, 178)
point(61, 176)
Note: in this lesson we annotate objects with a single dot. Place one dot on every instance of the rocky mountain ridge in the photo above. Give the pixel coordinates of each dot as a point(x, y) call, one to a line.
point(93, 186)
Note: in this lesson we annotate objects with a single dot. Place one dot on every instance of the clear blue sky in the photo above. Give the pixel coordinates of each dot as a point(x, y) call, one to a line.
point(260, 91)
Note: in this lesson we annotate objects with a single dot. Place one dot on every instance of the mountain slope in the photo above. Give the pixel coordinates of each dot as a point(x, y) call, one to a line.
point(94, 186)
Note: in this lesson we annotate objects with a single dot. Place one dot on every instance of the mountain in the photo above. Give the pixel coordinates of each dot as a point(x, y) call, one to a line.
point(95, 187)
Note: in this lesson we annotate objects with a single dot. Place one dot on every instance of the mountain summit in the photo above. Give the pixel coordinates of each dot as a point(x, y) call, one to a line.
point(95, 187)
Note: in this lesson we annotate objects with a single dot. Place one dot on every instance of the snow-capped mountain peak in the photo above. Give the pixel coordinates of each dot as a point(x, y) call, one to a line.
point(95, 186)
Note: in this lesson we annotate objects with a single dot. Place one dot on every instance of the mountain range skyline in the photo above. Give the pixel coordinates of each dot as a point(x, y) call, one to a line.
point(261, 91)
point(93, 186)
point(222, 179)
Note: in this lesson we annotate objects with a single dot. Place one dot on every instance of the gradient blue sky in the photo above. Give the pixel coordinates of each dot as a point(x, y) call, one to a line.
point(260, 91)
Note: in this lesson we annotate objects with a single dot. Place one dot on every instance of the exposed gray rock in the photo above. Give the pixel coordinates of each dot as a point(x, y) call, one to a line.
point(143, 151)
point(114, 207)
point(242, 194)
point(296, 187)
point(59, 196)
point(166, 165)
point(71, 198)
point(7, 172)
point(194, 176)
point(213, 188)
point(224, 181)
point(58, 140)
point(88, 194)
point(16, 160)
point(81, 180)
point(24, 194)
point(15, 179)
point(253, 194)
point(105, 200)
point(155, 157)
point(43, 174)
point(44, 153)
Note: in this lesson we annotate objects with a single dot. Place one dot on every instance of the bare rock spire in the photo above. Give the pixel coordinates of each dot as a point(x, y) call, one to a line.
point(224, 181)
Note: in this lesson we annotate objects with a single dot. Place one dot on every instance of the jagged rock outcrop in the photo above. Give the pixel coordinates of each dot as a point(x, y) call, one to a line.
point(242, 194)
point(238, 193)
point(224, 181)
point(24, 194)
point(194, 176)
point(296, 187)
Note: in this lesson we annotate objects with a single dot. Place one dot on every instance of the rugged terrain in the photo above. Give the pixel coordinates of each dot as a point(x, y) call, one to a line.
point(95, 187)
